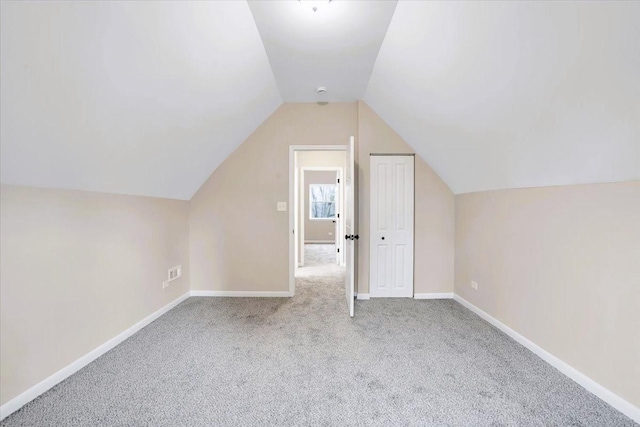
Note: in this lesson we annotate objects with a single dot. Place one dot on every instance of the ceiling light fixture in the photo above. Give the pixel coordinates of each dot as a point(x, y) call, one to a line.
point(314, 4)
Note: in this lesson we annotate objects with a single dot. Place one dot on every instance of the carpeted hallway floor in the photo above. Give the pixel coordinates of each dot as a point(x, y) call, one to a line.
point(319, 260)
point(303, 361)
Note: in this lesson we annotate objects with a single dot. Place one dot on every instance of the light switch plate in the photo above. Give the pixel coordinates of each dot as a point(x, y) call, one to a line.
point(282, 206)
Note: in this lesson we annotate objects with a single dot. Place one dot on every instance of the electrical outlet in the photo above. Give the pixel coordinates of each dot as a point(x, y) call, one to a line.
point(282, 206)
point(173, 274)
point(330, 233)
point(474, 285)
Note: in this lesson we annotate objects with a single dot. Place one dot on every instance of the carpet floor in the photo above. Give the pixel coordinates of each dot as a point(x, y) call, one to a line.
point(302, 361)
point(319, 261)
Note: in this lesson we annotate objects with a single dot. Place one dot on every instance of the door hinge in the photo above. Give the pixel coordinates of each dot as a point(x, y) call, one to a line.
point(338, 215)
point(338, 250)
point(338, 180)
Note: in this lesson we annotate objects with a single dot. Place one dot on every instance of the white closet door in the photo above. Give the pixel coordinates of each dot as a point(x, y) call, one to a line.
point(391, 214)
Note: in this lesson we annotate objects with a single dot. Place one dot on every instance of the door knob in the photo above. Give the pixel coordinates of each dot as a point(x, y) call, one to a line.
point(383, 238)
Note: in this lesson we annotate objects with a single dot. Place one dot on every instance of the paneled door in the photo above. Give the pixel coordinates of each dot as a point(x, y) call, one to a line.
point(350, 237)
point(338, 221)
point(391, 234)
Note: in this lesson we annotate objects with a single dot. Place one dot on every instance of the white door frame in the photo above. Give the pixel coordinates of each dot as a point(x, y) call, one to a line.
point(292, 221)
point(302, 207)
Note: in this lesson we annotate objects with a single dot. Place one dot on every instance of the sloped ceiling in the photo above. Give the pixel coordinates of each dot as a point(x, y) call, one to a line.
point(334, 47)
point(143, 98)
point(148, 98)
point(514, 94)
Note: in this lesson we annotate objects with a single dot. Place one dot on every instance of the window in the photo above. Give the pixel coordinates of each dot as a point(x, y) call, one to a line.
point(322, 201)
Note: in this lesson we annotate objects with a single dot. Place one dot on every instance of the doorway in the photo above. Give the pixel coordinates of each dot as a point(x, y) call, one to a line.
point(348, 219)
point(320, 201)
point(318, 226)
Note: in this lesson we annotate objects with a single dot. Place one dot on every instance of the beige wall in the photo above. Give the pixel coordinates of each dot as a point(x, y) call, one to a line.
point(234, 222)
point(434, 209)
point(561, 266)
point(316, 159)
point(317, 230)
point(78, 268)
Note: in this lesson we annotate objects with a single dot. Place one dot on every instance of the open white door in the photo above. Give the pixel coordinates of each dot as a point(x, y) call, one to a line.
point(339, 229)
point(349, 218)
point(336, 222)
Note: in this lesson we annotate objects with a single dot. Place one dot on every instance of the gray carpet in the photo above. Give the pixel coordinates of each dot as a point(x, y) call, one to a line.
point(302, 361)
point(319, 260)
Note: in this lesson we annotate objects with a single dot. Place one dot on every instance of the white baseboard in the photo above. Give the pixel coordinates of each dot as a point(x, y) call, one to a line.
point(434, 295)
point(275, 294)
point(443, 295)
point(321, 242)
point(44, 385)
point(590, 385)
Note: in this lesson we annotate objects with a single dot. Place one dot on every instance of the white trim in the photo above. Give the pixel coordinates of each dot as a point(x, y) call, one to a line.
point(44, 385)
point(321, 168)
point(386, 296)
point(590, 385)
point(314, 242)
point(275, 294)
point(362, 296)
point(292, 235)
point(301, 221)
point(434, 295)
point(297, 238)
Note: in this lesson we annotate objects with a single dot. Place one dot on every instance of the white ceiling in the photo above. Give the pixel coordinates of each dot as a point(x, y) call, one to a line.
point(335, 47)
point(514, 94)
point(148, 98)
point(144, 98)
